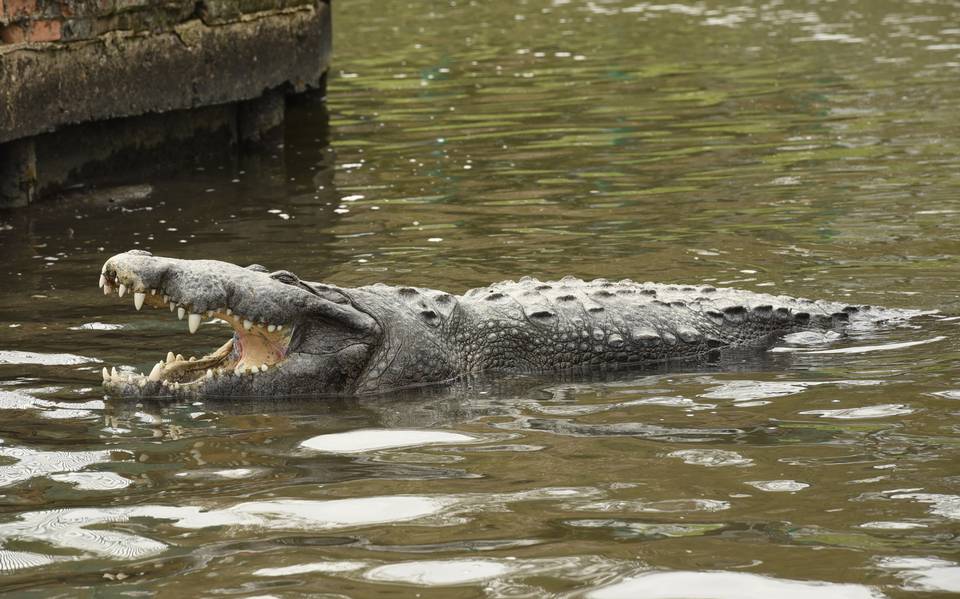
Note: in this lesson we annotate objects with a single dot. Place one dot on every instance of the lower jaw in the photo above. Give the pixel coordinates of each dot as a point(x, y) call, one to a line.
point(225, 384)
point(227, 370)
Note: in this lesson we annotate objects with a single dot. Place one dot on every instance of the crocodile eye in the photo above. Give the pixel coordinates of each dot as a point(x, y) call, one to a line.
point(285, 277)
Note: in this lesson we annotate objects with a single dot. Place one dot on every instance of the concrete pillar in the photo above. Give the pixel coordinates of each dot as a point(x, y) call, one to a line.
point(18, 172)
point(259, 121)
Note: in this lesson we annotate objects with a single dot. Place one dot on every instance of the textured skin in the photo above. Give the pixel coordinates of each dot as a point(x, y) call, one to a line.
point(535, 326)
point(380, 338)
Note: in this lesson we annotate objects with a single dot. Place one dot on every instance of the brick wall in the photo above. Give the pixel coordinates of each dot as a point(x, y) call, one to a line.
point(70, 20)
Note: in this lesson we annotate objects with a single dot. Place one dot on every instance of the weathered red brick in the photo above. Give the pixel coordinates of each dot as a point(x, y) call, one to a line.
point(44, 31)
point(12, 34)
point(11, 9)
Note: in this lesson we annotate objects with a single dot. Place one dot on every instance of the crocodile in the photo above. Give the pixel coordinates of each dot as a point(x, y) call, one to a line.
point(294, 337)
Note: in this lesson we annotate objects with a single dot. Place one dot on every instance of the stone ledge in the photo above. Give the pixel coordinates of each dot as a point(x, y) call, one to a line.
point(44, 86)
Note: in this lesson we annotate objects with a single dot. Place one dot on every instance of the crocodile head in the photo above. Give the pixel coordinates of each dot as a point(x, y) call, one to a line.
point(289, 336)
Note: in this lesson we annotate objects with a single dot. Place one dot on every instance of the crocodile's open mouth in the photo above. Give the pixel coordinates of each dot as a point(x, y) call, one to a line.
point(255, 347)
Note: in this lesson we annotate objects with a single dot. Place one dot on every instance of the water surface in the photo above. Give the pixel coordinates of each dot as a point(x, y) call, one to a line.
point(807, 148)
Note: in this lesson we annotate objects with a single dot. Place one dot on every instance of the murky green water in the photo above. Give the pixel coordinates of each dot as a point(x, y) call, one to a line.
point(802, 148)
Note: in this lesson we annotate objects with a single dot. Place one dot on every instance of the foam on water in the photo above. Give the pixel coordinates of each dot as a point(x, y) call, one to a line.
point(891, 525)
point(947, 506)
point(877, 411)
point(359, 441)
point(328, 567)
point(59, 410)
point(93, 481)
point(96, 326)
point(924, 573)
point(29, 357)
point(863, 349)
point(440, 572)
point(31, 463)
point(778, 486)
point(727, 585)
point(751, 390)
point(710, 458)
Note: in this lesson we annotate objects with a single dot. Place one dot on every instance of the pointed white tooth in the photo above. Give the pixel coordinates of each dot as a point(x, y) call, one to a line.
point(209, 374)
point(263, 368)
point(103, 281)
point(153, 291)
point(238, 370)
point(122, 289)
point(219, 370)
point(193, 358)
point(106, 374)
point(181, 312)
point(170, 357)
point(107, 289)
point(229, 312)
point(138, 298)
point(193, 323)
point(271, 327)
point(180, 357)
point(173, 306)
point(142, 383)
point(176, 386)
point(247, 324)
point(166, 299)
point(155, 373)
point(279, 327)
point(113, 372)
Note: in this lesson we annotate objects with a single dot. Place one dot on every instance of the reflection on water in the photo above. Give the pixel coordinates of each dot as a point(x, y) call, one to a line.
point(801, 148)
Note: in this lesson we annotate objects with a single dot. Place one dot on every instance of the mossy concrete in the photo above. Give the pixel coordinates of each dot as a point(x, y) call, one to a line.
point(222, 56)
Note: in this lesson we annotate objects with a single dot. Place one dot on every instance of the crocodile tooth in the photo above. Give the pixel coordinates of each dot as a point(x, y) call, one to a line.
point(103, 281)
point(142, 383)
point(166, 299)
point(180, 357)
point(153, 291)
point(181, 312)
point(106, 374)
point(193, 323)
point(122, 289)
point(138, 297)
point(107, 289)
point(279, 327)
point(238, 370)
point(229, 312)
point(209, 374)
point(170, 357)
point(113, 372)
point(173, 306)
point(247, 324)
point(193, 359)
point(263, 368)
point(271, 327)
point(155, 373)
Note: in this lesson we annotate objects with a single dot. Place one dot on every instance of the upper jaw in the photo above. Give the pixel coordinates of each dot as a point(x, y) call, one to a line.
point(202, 287)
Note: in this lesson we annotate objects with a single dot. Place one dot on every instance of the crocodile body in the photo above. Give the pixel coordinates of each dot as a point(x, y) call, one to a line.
point(295, 337)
